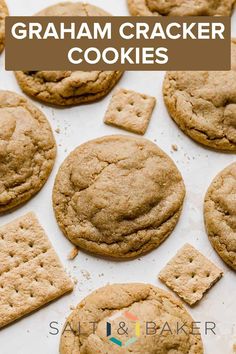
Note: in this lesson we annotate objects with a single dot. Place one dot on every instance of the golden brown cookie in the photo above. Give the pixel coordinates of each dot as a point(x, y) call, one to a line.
point(220, 214)
point(118, 196)
point(203, 104)
point(180, 7)
point(27, 150)
point(68, 87)
point(145, 312)
point(3, 14)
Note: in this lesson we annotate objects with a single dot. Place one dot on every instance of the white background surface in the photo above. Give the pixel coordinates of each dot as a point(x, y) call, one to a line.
point(198, 166)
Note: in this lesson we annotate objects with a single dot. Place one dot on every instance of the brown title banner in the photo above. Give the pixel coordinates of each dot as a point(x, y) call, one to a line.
point(117, 43)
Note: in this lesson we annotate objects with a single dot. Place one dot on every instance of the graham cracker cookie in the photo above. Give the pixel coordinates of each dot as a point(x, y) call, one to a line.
point(118, 196)
point(66, 88)
point(220, 214)
point(190, 274)
point(3, 14)
point(130, 110)
point(27, 150)
point(136, 305)
point(181, 7)
point(203, 104)
point(31, 274)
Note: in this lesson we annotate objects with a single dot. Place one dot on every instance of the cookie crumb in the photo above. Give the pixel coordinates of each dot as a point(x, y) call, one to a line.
point(73, 253)
point(174, 147)
point(58, 130)
point(86, 274)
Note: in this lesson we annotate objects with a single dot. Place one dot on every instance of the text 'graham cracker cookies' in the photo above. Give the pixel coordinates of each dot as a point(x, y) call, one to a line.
point(31, 274)
point(130, 110)
point(190, 274)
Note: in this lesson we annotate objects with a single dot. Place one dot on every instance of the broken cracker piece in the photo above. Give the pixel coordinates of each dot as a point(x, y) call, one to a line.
point(130, 110)
point(31, 274)
point(190, 274)
point(73, 253)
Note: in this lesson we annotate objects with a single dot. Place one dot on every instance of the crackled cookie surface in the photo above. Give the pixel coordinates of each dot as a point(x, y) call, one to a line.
point(122, 302)
point(27, 150)
point(203, 104)
point(118, 196)
point(68, 87)
point(220, 214)
point(180, 7)
point(3, 14)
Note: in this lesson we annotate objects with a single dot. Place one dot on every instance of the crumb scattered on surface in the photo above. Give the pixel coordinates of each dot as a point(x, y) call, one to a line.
point(73, 253)
point(174, 147)
point(57, 130)
point(86, 274)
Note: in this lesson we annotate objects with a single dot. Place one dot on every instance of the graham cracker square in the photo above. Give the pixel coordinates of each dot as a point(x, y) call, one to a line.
point(31, 274)
point(130, 110)
point(190, 274)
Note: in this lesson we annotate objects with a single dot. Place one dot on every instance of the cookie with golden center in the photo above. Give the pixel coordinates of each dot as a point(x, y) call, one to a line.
point(220, 214)
point(203, 104)
point(118, 196)
point(180, 7)
point(123, 302)
point(27, 150)
point(3, 14)
point(68, 87)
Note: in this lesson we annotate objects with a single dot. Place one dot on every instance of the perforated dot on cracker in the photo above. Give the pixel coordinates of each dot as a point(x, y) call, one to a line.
point(190, 274)
point(31, 274)
point(130, 110)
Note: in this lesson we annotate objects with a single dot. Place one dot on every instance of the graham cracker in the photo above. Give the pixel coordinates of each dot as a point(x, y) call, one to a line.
point(130, 110)
point(31, 274)
point(190, 274)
